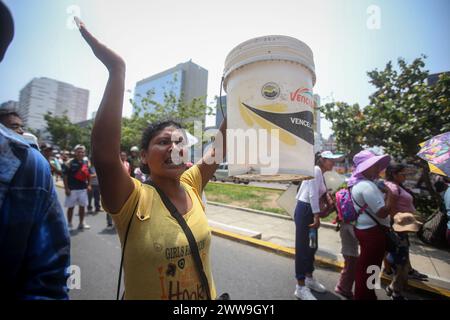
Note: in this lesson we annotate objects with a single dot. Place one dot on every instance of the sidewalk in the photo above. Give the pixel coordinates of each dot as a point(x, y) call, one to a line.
point(278, 234)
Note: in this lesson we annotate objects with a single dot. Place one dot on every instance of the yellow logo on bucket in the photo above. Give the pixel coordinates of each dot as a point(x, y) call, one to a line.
point(270, 90)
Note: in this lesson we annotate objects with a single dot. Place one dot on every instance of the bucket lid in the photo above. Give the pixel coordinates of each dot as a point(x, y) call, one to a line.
point(267, 48)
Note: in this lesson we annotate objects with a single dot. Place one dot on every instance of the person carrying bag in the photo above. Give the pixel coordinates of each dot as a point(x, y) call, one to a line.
point(371, 235)
point(192, 244)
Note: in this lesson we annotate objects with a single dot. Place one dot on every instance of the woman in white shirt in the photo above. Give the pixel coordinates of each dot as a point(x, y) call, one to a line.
point(307, 221)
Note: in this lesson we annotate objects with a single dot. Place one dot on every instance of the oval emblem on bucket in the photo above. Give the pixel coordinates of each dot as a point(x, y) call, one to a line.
point(270, 90)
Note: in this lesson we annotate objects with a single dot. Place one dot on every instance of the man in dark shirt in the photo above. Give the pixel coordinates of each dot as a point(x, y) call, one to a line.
point(77, 183)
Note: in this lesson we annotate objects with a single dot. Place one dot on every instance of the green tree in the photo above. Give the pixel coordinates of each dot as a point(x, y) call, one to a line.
point(84, 136)
point(173, 108)
point(347, 124)
point(132, 131)
point(65, 134)
point(404, 110)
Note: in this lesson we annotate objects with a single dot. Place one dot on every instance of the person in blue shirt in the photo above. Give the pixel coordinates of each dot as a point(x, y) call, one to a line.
point(34, 240)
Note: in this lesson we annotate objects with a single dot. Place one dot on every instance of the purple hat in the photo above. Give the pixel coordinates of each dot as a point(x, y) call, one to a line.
point(365, 159)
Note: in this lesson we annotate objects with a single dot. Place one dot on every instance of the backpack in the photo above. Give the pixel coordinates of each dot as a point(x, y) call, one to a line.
point(344, 205)
point(433, 230)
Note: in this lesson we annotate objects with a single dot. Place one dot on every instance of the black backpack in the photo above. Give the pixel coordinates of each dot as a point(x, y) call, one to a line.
point(434, 229)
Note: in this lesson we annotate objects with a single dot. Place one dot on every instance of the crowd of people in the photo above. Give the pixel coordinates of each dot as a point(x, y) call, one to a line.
point(374, 220)
point(146, 193)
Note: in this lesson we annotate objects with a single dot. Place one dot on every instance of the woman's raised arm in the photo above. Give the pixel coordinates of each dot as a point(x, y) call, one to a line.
point(115, 183)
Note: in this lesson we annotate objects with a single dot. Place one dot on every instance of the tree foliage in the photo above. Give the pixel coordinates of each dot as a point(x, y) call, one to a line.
point(174, 107)
point(347, 123)
point(65, 134)
point(403, 111)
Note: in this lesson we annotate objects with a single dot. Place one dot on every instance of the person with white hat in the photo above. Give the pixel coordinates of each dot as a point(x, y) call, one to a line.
point(307, 221)
point(77, 184)
point(371, 235)
point(134, 160)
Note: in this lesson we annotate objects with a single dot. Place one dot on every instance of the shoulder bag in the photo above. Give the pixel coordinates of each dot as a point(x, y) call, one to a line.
point(190, 237)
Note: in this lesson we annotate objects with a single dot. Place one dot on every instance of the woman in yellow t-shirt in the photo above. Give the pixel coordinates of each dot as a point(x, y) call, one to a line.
point(158, 263)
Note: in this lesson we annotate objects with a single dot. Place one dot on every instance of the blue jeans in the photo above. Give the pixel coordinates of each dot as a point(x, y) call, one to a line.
point(304, 255)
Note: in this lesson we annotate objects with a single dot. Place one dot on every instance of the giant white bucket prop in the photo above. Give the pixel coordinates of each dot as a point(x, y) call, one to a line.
point(270, 109)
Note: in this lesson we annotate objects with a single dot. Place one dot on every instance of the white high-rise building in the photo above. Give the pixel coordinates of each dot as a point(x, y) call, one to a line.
point(43, 95)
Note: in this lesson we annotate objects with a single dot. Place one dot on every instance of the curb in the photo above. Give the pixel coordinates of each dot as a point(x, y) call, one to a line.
point(327, 225)
point(321, 261)
point(270, 214)
point(219, 204)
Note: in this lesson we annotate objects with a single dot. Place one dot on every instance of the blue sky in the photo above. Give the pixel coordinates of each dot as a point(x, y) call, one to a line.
point(158, 34)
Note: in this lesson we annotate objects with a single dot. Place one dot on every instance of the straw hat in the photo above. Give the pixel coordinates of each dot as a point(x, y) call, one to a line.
point(406, 222)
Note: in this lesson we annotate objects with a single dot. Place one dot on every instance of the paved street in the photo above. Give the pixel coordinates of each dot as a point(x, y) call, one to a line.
point(243, 271)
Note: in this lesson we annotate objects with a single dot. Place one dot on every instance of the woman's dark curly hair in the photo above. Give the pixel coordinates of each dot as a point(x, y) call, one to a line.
point(150, 132)
point(317, 157)
point(392, 170)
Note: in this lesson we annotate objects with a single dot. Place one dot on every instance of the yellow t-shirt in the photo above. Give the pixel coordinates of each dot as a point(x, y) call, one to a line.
point(158, 263)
